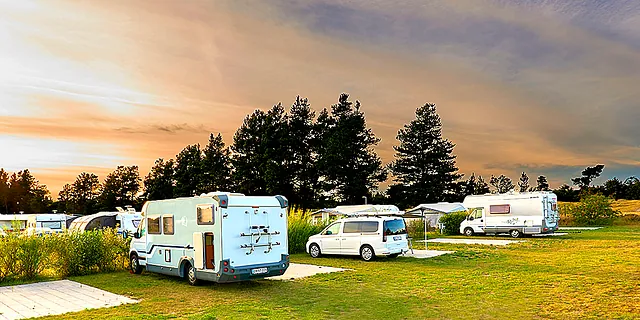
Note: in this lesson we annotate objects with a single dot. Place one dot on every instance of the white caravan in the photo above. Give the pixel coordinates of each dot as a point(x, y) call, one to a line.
point(126, 222)
point(514, 213)
point(221, 237)
point(368, 231)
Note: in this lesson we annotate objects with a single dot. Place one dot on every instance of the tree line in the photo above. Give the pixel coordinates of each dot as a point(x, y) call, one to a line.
point(314, 159)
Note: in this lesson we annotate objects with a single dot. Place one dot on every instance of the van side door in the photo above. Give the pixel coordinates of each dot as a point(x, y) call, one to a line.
point(351, 238)
point(330, 239)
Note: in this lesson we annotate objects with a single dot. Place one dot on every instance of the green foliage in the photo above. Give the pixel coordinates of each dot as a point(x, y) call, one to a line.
point(27, 256)
point(542, 184)
point(188, 171)
point(216, 166)
point(424, 165)
point(451, 222)
point(501, 184)
point(120, 187)
point(473, 186)
point(159, 183)
point(592, 210)
point(301, 227)
point(523, 184)
point(84, 193)
point(588, 175)
point(415, 228)
point(21, 191)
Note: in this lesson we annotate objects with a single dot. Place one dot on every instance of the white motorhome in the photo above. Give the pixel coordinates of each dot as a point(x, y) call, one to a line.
point(50, 222)
point(367, 231)
point(219, 236)
point(514, 213)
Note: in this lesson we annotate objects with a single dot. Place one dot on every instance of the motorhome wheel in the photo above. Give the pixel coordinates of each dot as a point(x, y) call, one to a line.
point(191, 275)
point(314, 250)
point(136, 268)
point(468, 232)
point(515, 233)
point(366, 253)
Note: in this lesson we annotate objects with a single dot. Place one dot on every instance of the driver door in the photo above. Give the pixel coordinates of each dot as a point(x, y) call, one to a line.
point(476, 220)
point(330, 239)
point(140, 243)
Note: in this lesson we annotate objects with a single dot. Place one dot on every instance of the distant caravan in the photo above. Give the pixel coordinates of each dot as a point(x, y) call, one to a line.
point(517, 214)
point(219, 237)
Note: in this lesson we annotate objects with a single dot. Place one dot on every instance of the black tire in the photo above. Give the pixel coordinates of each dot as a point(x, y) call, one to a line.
point(314, 251)
point(393, 256)
point(468, 232)
point(134, 264)
point(190, 274)
point(367, 253)
point(515, 233)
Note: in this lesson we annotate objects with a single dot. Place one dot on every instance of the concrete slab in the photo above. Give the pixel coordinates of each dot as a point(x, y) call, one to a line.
point(580, 228)
point(490, 242)
point(53, 298)
point(424, 254)
point(298, 271)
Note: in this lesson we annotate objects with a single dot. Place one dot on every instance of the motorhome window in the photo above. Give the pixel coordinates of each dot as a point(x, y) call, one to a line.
point(205, 215)
point(94, 224)
point(394, 227)
point(500, 209)
point(52, 224)
point(351, 227)
point(154, 225)
point(554, 206)
point(167, 224)
point(369, 226)
point(333, 229)
point(476, 213)
point(136, 223)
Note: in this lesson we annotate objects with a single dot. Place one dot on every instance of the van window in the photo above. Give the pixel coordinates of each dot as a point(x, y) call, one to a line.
point(369, 226)
point(394, 227)
point(351, 227)
point(154, 225)
point(333, 229)
point(205, 214)
point(500, 209)
point(167, 224)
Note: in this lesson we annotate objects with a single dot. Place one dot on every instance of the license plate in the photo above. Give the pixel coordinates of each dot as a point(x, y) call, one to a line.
point(259, 271)
point(397, 238)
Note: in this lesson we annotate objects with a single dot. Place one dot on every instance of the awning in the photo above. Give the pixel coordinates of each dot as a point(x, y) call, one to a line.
point(431, 208)
point(362, 210)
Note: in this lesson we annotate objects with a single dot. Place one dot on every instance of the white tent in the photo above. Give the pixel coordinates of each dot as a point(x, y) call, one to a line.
point(432, 212)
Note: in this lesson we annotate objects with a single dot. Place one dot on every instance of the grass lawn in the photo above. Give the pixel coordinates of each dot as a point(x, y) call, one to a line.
point(594, 274)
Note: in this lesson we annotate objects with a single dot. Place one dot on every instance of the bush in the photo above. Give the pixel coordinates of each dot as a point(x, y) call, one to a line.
point(592, 210)
point(415, 228)
point(301, 227)
point(32, 254)
point(451, 222)
point(8, 255)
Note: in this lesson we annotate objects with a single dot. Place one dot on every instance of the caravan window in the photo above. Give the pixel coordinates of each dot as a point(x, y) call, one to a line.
point(205, 214)
point(167, 224)
point(500, 209)
point(154, 225)
point(52, 224)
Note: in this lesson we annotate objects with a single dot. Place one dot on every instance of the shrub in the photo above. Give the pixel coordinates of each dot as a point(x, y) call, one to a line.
point(32, 254)
point(415, 228)
point(301, 227)
point(451, 222)
point(8, 253)
point(592, 210)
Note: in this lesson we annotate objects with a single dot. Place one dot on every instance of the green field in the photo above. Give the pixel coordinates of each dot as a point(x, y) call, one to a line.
point(593, 274)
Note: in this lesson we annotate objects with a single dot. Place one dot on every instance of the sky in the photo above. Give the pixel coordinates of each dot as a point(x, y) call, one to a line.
point(547, 87)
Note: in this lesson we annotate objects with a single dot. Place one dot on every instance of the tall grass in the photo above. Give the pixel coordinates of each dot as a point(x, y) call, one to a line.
point(301, 227)
point(25, 256)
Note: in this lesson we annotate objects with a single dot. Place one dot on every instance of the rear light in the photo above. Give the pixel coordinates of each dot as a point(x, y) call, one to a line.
point(226, 263)
point(384, 238)
point(233, 271)
point(235, 277)
point(226, 269)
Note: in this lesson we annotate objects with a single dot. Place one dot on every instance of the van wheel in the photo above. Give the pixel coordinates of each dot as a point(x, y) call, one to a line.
point(366, 253)
point(190, 274)
point(468, 232)
point(134, 264)
point(515, 233)
point(314, 250)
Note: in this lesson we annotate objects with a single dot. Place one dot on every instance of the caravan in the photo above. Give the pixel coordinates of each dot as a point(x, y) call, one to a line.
point(126, 222)
point(220, 237)
point(514, 213)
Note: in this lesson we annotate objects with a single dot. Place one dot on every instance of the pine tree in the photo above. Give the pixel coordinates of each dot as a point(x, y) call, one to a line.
point(303, 141)
point(542, 184)
point(216, 166)
point(502, 184)
point(588, 175)
point(159, 184)
point(424, 164)
point(260, 154)
point(120, 188)
point(475, 185)
point(188, 171)
point(4, 192)
point(84, 194)
point(349, 167)
point(523, 184)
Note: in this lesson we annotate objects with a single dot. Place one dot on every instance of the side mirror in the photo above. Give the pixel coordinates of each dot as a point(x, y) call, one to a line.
point(136, 235)
point(470, 219)
point(329, 233)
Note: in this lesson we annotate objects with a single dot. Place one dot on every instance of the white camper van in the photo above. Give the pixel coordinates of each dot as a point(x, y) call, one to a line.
point(367, 231)
point(221, 237)
point(514, 213)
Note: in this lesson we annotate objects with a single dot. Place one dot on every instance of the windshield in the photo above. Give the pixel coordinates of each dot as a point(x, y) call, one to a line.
point(135, 223)
point(393, 227)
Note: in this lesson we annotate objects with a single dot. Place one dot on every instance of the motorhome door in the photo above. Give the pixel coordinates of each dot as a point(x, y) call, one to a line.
point(477, 220)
